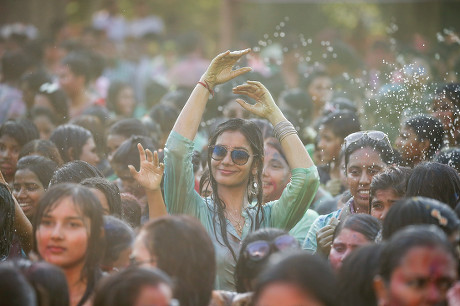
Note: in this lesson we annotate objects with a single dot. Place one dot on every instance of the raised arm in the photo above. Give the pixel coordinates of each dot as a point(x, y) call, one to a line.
point(265, 107)
point(219, 71)
point(149, 176)
point(22, 225)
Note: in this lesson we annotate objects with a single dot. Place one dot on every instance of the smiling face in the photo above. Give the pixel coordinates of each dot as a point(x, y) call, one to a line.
point(9, 153)
point(27, 189)
point(225, 171)
point(382, 201)
point(422, 278)
point(62, 235)
point(329, 145)
point(276, 174)
point(363, 164)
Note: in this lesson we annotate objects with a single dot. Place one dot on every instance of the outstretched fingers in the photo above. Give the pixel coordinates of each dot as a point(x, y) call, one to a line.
point(141, 152)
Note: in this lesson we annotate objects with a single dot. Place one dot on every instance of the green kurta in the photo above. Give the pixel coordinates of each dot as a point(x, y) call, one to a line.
point(181, 198)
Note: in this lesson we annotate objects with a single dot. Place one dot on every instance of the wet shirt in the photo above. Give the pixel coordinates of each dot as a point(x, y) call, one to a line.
point(181, 198)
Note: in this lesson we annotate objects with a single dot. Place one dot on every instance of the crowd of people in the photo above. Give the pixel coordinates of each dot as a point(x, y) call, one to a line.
point(132, 179)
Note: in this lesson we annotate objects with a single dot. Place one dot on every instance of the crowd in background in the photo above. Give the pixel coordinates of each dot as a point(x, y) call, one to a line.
point(137, 170)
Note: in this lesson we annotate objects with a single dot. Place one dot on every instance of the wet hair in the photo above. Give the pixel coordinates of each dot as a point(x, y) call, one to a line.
point(21, 130)
point(96, 128)
point(79, 64)
point(394, 178)
point(42, 167)
point(131, 211)
point(265, 127)
point(70, 136)
point(45, 148)
point(300, 102)
point(110, 191)
point(308, 80)
point(254, 137)
point(419, 210)
point(450, 157)
point(6, 221)
point(113, 95)
point(341, 123)
point(309, 273)
point(193, 264)
point(164, 116)
point(123, 288)
point(47, 280)
point(379, 146)
point(119, 236)
point(74, 172)
point(247, 270)
point(404, 240)
point(364, 224)
point(452, 93)
point(355, 278)
point(43, 111)
point(427, 128)
point(14, 288)
point(128, 127)
point(128, 153)
point(436, 181)
point(343, 104)
point(89, 206)
point(59, 101)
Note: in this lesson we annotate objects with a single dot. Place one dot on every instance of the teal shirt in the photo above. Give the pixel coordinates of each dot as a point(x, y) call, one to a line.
point(181, 198)
point(300, 230)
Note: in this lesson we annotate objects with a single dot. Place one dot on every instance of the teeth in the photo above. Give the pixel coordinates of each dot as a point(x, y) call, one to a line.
point(364, 192)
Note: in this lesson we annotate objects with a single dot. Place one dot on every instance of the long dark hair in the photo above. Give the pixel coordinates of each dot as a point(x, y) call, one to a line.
point(89, 206)
point(253, 135)
point(6, 221)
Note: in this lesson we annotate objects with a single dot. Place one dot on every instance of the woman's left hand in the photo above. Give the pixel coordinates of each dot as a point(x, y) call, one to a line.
point(264, 107)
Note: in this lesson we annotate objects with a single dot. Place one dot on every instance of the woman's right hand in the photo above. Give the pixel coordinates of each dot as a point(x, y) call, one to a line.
point(221, 68)
point(151, 170)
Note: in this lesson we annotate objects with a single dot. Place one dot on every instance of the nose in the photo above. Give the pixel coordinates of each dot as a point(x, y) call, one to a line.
point(384, 213)
point(365, 178)
point(433, 293)
point(228, 158)
point(22, 193)
point(57, 231)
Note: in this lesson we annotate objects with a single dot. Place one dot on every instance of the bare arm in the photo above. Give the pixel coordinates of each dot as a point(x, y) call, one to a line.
point(219, 71)
point(265, 107)
point(149, 177)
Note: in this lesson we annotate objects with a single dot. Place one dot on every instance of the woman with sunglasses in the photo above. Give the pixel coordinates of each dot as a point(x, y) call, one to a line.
point(255, 251)
point(366, 154)
point(235, 161)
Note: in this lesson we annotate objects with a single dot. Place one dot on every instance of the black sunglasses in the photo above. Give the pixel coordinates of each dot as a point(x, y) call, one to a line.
point(239, 157)
point(375, 135)
point(260, 249)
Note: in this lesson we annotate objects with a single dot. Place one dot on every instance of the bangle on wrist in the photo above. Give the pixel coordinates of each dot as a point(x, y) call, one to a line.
point(206, 85)
point(283, 129)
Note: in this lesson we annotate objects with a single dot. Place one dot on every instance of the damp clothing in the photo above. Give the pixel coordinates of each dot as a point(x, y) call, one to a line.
point(181, 198)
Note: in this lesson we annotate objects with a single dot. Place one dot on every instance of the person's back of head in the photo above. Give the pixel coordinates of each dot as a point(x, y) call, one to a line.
point(126, 288)
point(131, 211)
point(436, 181)
point(191, 262)
point(310, 276)
point(450, 157)
point(48, 281)
point(41, 147)
point(420, 210)
point(427, 128)
point(119, 237)
point(128, 127)
point(70, 139)
point(74, 172)
point(110, 190)
point(356, 276)
point(341, 123)
point(14, 288)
